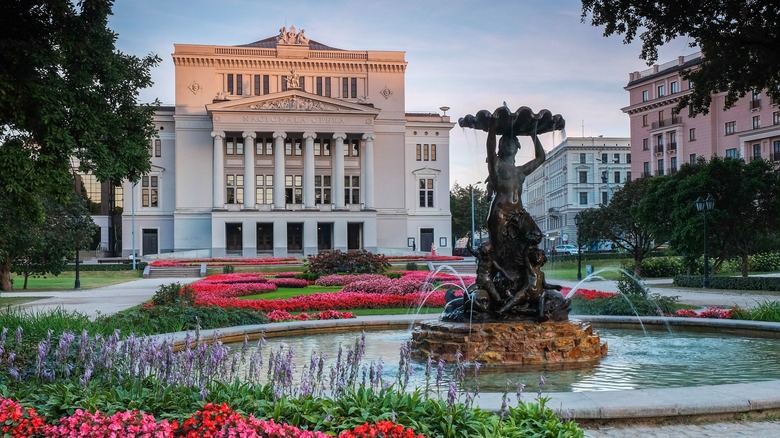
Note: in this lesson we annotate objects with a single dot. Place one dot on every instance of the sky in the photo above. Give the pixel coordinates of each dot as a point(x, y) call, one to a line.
point(466, 55)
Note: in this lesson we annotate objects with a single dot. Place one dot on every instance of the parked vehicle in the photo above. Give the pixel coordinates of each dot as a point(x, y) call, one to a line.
point(566, 249)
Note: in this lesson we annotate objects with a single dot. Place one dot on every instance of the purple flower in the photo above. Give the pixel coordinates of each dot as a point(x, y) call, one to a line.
point(452, 394)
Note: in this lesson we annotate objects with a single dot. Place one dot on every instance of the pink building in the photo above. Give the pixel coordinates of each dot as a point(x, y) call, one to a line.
point(661, 140)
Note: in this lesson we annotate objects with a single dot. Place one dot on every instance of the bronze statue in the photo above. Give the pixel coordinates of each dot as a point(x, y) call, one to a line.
point(510, 283)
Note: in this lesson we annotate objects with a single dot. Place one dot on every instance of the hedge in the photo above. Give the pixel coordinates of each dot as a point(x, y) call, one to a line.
point(733, 283)
point(107, 267)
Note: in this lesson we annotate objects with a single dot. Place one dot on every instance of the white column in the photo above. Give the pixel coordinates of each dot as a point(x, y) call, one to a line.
point(338, 169)
point(368, 171)
point(279, 170)
point(218, 172)
point(249, 169)
point(308, 170)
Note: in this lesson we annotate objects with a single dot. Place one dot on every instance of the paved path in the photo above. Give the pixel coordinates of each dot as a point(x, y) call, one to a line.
point(738, 429)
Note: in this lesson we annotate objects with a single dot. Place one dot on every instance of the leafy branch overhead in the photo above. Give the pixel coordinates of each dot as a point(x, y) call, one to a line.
point(738, 40)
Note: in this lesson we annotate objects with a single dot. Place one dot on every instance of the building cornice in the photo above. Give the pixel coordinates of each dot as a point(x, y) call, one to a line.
point(665, 101)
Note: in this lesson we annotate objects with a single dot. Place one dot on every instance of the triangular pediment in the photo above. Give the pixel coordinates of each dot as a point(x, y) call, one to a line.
point(290, 101)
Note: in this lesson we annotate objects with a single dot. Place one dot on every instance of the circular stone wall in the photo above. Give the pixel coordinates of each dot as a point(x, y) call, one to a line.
point(508, 343)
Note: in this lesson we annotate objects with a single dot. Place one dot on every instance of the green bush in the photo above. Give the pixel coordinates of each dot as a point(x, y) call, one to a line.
point(412, 266)
point(633, 299)
point(764, 262)
point(308, 276)
point(228, 269)
point(768, 311)
point(173, 294)
point(355, 262)
point(107, 267)
point(733, 283)
point(659, 267)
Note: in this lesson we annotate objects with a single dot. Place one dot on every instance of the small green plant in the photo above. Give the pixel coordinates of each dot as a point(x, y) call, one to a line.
point(228, 269)
point(173, 294)
point(768, 311)
point(412, 266)
point(634, 299)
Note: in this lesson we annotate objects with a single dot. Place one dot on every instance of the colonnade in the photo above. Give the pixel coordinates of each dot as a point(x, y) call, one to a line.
point(337, 170)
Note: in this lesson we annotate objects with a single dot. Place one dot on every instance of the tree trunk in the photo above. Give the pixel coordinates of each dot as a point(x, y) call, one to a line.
point(744, 258)
point(638, 265)
point(26, 276)
point(5, 275)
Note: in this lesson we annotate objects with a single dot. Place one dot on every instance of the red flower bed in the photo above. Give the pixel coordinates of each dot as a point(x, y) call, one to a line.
point(413, 258)
point(221, 421)
point(384, 428)
point(327, 301)
point(288, 282)
point(590, 294)
point(228, 261)
point(710, 312)
point(283, 315)
point(16, 421)
point(343, 280)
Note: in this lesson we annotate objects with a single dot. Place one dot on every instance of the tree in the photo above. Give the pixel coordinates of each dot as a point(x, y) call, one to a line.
point(620, 222)
point(52, 243)
point(747, 205)
point(460, 208)
point(737, 38)
point(66, 94)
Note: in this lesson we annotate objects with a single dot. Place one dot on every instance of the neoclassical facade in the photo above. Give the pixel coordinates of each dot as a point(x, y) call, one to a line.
point(289, 147)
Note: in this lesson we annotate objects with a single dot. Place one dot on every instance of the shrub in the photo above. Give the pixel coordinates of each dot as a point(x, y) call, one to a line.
point(733, 283)
point(633, 299)
point(173, 295)
point(308, 276)
point(764, 262)
point(228, 269)
point(766, 311)
point(356, 262)
point(657, 267)
point(412, 266)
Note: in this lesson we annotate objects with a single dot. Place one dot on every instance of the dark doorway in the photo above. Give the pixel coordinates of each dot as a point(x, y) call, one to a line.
point(295, 237)
point(149, 242)
point(324, 236)
point(233, 237)
point(265, 236)
point(354, 236)
point(426, 239)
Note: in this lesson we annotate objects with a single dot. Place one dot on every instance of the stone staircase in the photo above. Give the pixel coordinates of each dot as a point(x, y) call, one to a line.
point(173, 272)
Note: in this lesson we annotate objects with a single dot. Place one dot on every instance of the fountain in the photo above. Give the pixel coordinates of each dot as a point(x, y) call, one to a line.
point(510, 315)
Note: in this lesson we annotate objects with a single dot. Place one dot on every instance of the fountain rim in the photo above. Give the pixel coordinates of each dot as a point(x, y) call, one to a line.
point(653, 404)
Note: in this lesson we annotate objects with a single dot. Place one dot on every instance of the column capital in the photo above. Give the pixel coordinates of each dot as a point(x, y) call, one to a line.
point(311, 135)
point(248, 134)
point(280, 134)
point(216, 134)
point(368, 137)
point(340, 135)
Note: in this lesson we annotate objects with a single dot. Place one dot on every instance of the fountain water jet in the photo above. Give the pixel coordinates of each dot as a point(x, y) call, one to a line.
point(511, 315)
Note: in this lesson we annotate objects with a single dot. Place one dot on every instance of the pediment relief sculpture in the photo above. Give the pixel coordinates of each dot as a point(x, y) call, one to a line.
point(296, 103)
point(292, 37)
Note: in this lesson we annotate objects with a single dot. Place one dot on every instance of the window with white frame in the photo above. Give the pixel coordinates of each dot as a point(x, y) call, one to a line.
point(265, 146)
point(776, 118)
point(352, 189)
point(756, 122)
point(293, 189)
point(645, 96)
point(322, 189)
point(234, 145)
point(426, 192)
point(661, 90)
point(234, 185)
point(426, 152)
point(157, 152)
point(264, 189)
point(757, 150)
point(583, 198)
point(322, 147)
point(673, 88)
point(692, 134)
point(730, 127)
point(583, 175)
point(352, 147)
point(150, 185)
point(731, 153)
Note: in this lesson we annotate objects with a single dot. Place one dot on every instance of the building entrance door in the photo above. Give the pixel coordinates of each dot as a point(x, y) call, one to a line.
point(295, 237)
point(233, 237)
point(354, 236)
point(149, 244)
point(265, 236)
point(324, 236)
point(426, 239)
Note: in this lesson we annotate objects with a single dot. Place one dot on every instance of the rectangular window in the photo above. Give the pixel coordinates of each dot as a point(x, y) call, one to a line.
point(345, 87)
point(756, 150)
point(628, 176)
point(327, 87)
point(583, 198)
point(731, 153)
point(776, 118)
point(616, 158)
point(322, 189)
point(692, 158)
point(239, 84)
point(230, 83)
point(297, 147)
point(234, 185)
point(604, 177)
point(419, 152)
point(604, 158)
point(731, 128)
point(660, 118)
point(149, 191)
point(617, 177)
point(692, 134)
point(426, 193)
point(645, 144)
point(257, 85)
point(661, 90)
point(284, 84)
point(582, 158)
point(756, 122)
point(318, 85)
point(583, 177)
point(234, 145)
point(628, 158)
point(354, 149)
point(645, 96)
point(157, 147)
point(293, 189)
point(672, 140)
point(288, 146)
point(604, 198)
point(776, 150)
point(352, 189)
point(264, 189)
point(644, 119)
point(265, 146)
point(673, 88)
point(646, 168)
point(660, 170)
point(433, 152)
point(755, 101)
point(673, 164)
point(266, 84)
point(354, 88)
point(425, 152)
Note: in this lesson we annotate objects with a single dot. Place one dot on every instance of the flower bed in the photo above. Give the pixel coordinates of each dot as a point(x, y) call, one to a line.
point(328, 301)
point(710, 312)
point(343, 280)
point(283, 315)
point(227, 261)
point(422, 258)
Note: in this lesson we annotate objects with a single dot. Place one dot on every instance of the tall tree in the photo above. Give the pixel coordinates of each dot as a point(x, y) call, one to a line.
point(66, 94)
point(460, 208)
point(737, 38)
point(620, 221)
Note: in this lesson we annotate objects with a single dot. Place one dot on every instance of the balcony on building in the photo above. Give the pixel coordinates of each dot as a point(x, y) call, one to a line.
point(672, 147)
point(755, 104)
point(665, 123)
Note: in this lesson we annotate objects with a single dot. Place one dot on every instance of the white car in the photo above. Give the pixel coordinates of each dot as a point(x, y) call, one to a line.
point(566, 249)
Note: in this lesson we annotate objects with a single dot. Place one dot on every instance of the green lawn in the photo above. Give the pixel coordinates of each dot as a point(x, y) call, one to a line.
point(13, 301)
point(66, 280)
point(289, 292)
point(567, 270)
point(394, 311)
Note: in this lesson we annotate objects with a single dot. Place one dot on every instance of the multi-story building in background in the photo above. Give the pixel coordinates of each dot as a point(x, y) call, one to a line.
point(662, 139)
point(580, 173)
point(286, 146)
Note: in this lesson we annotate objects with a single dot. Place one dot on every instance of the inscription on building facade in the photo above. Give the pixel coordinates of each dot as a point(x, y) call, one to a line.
point(295, 120)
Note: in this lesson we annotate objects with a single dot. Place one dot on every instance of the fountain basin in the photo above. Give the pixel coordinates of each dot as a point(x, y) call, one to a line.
point(508, 343)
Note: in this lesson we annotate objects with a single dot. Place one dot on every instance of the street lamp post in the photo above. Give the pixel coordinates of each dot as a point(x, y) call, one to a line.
point(703, 206)
point(77, 283)
point(579, 248)
point(472, 215)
